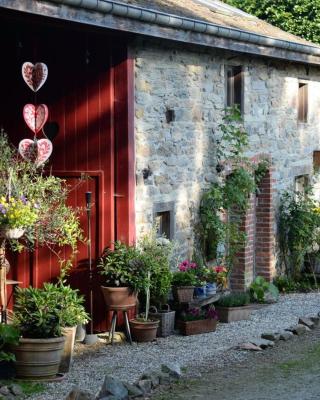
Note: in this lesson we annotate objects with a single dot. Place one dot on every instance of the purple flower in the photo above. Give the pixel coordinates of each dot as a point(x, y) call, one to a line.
point(23, 199)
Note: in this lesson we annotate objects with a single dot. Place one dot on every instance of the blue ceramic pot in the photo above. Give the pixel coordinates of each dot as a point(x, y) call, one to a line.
point(211, 289)
point(200, 292)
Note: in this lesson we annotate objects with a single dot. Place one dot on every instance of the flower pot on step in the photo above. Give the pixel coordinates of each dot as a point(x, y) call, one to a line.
point(183, 294)
point(144, 331)
point(119, 298)
point(188, 328)
point(67, 355)
point(38, 359)
point(231, 314)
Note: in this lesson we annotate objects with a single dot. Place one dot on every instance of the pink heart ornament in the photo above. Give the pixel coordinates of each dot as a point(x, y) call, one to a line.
point(38, 151)
point(34, 75)
point(35, 116)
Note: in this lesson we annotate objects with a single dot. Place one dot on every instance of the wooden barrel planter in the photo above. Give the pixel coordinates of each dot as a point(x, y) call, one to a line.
point(38, 359)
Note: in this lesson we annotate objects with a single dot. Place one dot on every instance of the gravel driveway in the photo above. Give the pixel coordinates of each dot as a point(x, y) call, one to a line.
point(195, 353)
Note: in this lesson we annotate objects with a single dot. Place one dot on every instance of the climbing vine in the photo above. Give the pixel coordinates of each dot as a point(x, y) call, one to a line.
point(224, 204)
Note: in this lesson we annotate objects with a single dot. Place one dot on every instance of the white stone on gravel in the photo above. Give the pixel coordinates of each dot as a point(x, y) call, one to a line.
point(127, 363)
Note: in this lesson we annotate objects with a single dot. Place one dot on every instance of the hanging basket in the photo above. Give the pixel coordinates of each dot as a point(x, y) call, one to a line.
point(12, 233)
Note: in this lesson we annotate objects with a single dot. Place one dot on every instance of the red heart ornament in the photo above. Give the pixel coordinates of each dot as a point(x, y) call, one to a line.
point(34, 75)
point(38, 151)
point(35, 116)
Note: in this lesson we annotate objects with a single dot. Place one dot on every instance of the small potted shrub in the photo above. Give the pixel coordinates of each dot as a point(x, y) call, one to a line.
point(143, 327)
point(122, 275)
point(159, 251)
point(233, 307)
point(9, 336)
point(262, 291)
point(72, 314)
point(184, 281)
point(197, 320)
point(37, 314)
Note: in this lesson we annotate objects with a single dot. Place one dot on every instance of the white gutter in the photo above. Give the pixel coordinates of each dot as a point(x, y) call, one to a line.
point(173, 21)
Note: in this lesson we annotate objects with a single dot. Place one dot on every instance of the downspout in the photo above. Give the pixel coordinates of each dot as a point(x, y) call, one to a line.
point(189, 24)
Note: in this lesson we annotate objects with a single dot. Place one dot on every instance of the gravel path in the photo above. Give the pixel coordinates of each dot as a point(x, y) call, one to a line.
point(195, 353)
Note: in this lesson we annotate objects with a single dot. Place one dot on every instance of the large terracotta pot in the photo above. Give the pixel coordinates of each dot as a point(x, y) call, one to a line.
point(143, 331)
point(38, 359)
point(67, 355)
point(119, 298)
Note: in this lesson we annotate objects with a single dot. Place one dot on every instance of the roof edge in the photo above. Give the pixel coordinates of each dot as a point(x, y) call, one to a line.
point(184, 23)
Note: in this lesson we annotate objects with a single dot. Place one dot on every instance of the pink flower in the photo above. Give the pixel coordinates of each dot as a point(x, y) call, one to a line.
point(182, 268)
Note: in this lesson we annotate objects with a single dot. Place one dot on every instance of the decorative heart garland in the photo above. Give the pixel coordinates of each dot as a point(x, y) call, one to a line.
point(34, 75)
point(35, 116)
point(36, 150)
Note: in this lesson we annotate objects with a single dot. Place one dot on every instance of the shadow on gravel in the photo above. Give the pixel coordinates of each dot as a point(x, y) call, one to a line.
point(289, 371)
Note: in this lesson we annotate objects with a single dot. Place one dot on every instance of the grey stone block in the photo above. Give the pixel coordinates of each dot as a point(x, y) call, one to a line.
point(286, 335)
point(306, 321)
point(298, 329)
point(263, 343)
point(173, 369)
point(133, 391)
point(275, 337)
point(153, 376)
point(78, 394)
point(114, 387)
point(145, 385)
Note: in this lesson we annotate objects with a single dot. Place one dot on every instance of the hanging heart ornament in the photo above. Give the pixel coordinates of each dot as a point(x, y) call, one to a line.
point(34, 75)
point(37, 151)
point(35, 116)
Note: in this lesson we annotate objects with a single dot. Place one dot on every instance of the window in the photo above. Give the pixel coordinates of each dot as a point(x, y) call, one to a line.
point(316, 160)
point(301, 183)
point(164, 217)
point(303, 102)
point(234, 89)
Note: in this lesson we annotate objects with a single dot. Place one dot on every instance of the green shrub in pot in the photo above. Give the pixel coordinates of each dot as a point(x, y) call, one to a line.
point(234, 300)
point(9, 336)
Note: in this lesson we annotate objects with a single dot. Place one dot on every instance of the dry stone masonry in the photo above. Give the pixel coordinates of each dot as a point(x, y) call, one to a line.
point(179, 104)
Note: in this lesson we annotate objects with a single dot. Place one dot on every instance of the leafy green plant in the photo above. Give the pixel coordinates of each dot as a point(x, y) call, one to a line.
point(181, 278)
point(222, 238)
point(260, 289)
point(196, 314)
point(299, 231)
point(36, 201)
point(234, 300)
point(9, 335)
point(37, 312)
point(123, 267)
point(156, 253)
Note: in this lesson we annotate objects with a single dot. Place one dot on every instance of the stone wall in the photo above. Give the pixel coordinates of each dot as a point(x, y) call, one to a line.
point(180, 155)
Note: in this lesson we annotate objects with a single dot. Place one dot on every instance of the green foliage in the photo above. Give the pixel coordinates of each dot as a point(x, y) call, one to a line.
point(299, 231)
point(37, 201)
point(260, 288)
point(300, 17)
point(123, 267)
point(304, 284)
point(156, 253)
point(231, 193)
point(234, 300)
point(37, 312)
point(9, 335)
point(181, 278)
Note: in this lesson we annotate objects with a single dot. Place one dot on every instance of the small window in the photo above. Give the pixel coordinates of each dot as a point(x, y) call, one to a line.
point(163, 223)
point(303, 102)
point(316, 160)
point(234, 87)
point(301, 183)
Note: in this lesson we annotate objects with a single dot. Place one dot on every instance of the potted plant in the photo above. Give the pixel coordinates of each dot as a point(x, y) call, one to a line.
point(184, 281)
point(9, 336)
point(143, 328)
point(122, 274)
point(233, 307)
point(37, 313)
point(211, 279)
point(197, 320)
point(72, 313)
point(159, 251)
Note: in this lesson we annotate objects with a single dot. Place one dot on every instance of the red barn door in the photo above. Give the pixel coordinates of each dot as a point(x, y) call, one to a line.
point(87, 102)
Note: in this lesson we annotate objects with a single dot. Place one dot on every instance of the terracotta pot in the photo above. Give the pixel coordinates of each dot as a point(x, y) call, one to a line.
point(231, 314)
point(38, 359)
point(183, 294)
point(119, 298)
point(188, 328)
point(143, 331)
point(67, 355)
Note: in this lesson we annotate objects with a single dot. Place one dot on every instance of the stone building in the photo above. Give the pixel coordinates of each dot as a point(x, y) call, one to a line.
point(186, 60)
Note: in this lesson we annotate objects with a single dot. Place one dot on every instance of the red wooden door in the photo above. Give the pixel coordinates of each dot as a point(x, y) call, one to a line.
point(79, 93)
